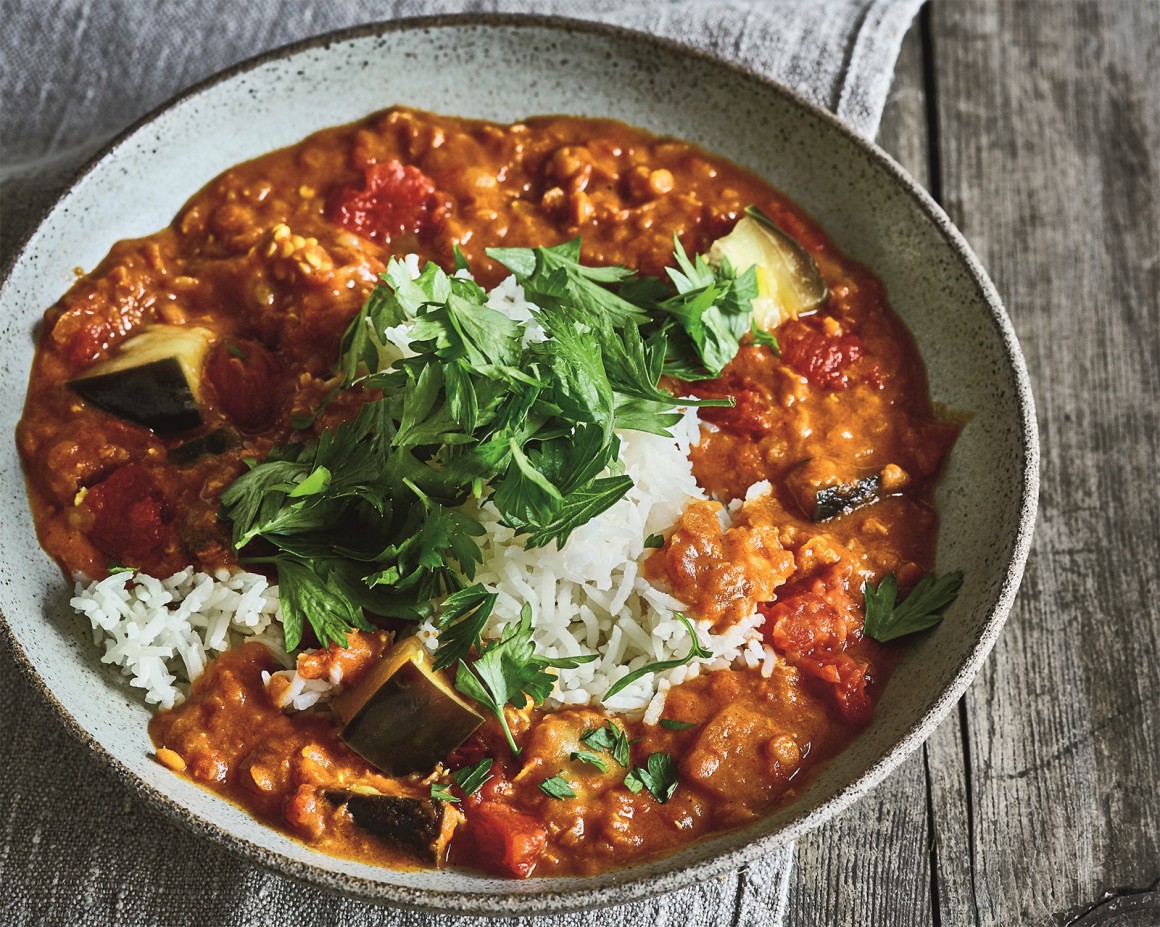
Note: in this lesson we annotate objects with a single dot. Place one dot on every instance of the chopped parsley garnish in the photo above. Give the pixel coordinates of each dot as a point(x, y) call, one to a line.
point(592, 759)
point(375, 514)
point(508, 671)
point(695, 650)
point(654, 540)
point(658, 775)
point(612, 740)
point(472, 778)
point(920, 610)
point(461, 622)
point(440, 792)
point(235, 351)
point(671, 724)
point(557, 787)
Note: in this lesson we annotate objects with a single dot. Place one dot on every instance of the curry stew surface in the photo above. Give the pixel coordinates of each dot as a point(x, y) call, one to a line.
point(275, 256)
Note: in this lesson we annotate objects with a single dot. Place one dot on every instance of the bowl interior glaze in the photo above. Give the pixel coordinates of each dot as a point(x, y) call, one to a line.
point(506, 69)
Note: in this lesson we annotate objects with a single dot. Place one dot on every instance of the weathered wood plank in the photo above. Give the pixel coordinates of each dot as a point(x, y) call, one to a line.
point(1050, 125)
point(871, 865)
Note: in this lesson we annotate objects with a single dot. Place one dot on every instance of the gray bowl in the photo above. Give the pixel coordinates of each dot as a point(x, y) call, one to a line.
point(507, 68)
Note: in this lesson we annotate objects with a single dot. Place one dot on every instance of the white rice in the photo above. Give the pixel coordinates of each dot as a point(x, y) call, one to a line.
point(162, 632)
point(301, 692)
point(589, 597)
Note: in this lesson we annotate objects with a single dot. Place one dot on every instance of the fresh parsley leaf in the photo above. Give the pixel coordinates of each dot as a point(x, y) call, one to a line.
point(658, 775)
point(472, 778)
point(578, 508)
point(462, 619)
point(362, 348)
point(764, 338)
point(611, 739)
point(114, 567)
point(440, 792)
point(508, 671)
point(655, 541)
point(551, 275)
point(308, 596)
point(920, 610)
point(592, 759)
point(315, 482)
point(460, 260)
point(670, 724)
point(557, 787)
point(712, 305)
point(695, 650)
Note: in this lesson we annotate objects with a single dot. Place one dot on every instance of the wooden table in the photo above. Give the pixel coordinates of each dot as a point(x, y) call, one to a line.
point(1037, 127)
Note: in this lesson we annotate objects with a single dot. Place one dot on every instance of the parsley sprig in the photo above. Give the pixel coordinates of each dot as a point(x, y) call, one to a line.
point(658, 775)
point(374, 516)
point(921, 609)
point(510, 672)
point(472, 778)
point(695, 650)
point(612, 740)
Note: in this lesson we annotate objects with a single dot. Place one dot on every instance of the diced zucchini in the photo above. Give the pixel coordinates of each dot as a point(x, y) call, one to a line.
point(402, 716)
point(788, 281)
point(422, 826)
point(154, 380)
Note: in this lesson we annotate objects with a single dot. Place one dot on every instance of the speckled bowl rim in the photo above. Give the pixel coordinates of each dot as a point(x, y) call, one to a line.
point(624, 887)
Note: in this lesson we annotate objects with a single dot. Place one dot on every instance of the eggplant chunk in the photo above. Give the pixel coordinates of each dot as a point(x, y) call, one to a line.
point(825, 489)
point(422, 826)
point(216, 442)
point(154, 380)
point(845, 498)
point(402, 716)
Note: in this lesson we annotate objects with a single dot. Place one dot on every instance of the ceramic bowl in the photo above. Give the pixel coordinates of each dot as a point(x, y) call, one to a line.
point(506, 69)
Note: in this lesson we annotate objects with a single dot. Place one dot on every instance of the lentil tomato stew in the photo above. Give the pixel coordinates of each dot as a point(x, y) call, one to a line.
point(426, 374)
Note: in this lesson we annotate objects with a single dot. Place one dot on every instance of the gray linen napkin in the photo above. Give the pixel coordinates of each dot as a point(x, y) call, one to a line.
point(76, 847)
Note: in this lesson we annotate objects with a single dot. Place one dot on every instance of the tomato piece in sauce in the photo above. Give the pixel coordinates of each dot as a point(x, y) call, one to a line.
point(130, 516)
point(245, 378)
point(812, 627)
point(752, 414)
point(822, 358)
point(497, 838)
point(393, 199)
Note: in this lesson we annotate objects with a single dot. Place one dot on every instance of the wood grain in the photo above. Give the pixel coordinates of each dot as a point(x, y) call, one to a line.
point(1048, 134)
point(883, 839)
point(1037, 126)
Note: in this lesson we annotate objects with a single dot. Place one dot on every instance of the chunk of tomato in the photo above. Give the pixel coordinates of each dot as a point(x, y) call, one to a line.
point(130, 516)
point(392, 199)
point(821, 358)
point(245, 378)
point(497, 838)
point(811, 627)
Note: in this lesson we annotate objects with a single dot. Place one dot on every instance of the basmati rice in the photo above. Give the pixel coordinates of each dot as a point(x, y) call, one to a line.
point(162, 632)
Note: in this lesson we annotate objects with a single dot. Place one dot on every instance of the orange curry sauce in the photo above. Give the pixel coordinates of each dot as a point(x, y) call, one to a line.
point(276, 255)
